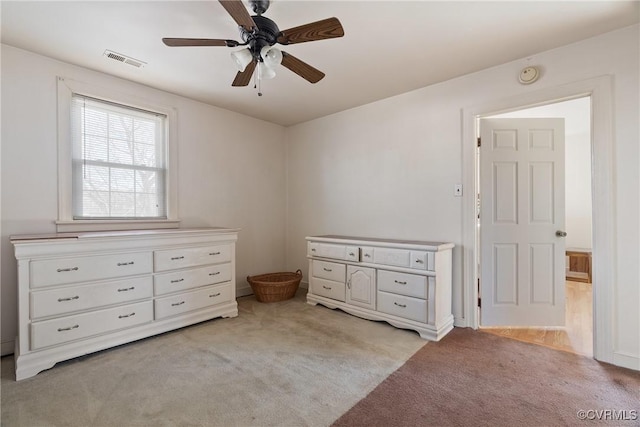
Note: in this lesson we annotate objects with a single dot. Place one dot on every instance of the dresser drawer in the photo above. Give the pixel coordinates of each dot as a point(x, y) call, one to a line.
point(69, 299)
point(326, 250)
point(423, 260)
point(328, 289)
point(398, 257)
point(173, 259)
point(420, 260)
point(402, 306)
point(194, 300)
point(329, 270)
point(58, 271)
point(410, 285)
point(174, 281)
point(57, 331)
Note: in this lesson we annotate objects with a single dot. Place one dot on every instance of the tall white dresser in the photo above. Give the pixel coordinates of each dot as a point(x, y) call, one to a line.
point(83, 292)
point(405, 283)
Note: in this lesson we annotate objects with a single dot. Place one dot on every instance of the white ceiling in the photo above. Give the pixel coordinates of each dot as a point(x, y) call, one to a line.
point(389, 47)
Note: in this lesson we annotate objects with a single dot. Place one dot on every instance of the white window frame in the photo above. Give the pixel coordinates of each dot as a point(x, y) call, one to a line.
point(66, 222)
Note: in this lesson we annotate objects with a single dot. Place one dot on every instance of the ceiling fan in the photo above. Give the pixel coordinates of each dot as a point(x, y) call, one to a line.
point(260, 34)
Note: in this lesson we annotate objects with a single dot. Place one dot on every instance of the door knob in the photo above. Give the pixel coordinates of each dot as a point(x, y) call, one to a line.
point(561, 233)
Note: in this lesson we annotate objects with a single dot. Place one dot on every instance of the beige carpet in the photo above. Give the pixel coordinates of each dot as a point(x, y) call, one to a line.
point(287, 364)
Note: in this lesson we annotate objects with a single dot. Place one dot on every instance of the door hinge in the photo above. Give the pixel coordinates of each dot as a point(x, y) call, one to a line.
point(479, 142)
point(479, 297)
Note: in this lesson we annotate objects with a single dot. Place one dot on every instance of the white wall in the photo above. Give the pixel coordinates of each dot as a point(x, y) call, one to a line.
point(387, 169)
point(231, 168)
point(576, 114)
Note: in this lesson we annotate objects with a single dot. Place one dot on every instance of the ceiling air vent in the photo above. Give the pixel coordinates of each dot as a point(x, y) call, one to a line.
point(123, 58)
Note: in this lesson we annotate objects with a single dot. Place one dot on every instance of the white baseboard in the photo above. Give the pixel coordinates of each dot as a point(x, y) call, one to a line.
point(460, 322)
point(244, 291)
point(626, 360)
point(6, 347)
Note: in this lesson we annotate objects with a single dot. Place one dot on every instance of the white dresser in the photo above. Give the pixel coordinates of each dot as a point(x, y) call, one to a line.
point(83, 292)
point(405, 283)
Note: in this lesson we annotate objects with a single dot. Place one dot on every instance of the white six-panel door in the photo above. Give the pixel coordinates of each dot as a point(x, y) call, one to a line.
point(522, 257)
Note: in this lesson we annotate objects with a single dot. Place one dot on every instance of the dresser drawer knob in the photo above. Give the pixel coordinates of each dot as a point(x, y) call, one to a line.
point(177, 303)
point(176, 258)
point(367, 256)
point(214, 274)
point(69, 328)
point(215, 295)
point(400, 305)
point(327, 287)
point(214, 253)
point(68, 299)
point(177, 281)
point(122, 316)
point(419, 261)
point(313, 250)
point(327, 269)
point(352, 254)
point(120, 264)
point(126, 289)
point(60, 270)
point(400, 283)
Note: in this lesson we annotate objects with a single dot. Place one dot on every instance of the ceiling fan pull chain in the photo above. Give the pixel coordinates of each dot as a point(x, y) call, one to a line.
point(260, 65)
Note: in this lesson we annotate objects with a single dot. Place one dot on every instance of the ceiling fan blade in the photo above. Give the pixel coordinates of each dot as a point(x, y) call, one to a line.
point(301, 68)
point(239, 13)
point(173, 42)
point(320, 30)
point(244, 77)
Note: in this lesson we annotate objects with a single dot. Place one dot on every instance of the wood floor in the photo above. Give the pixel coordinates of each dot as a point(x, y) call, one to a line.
point(577, 335)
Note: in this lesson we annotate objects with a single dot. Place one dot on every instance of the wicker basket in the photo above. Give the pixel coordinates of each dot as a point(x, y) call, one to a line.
point(275, 287)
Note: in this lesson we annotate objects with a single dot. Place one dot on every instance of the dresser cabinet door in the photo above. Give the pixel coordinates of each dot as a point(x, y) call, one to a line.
point(361, 286)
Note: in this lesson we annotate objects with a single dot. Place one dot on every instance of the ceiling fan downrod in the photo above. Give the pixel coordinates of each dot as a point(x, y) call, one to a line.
point(259, 6)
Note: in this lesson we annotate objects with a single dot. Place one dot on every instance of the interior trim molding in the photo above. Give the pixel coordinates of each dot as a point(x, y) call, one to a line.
point(626, 360)
point(600, 89)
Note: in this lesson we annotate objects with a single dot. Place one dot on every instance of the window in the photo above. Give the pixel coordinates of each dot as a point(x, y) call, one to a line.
point(118, 161)
point(117, 158)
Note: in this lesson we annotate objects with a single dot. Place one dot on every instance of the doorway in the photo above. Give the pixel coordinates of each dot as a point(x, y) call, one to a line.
point(576, 335)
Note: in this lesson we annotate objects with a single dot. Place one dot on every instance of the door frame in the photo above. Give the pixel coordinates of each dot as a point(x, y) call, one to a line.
point(600, 90)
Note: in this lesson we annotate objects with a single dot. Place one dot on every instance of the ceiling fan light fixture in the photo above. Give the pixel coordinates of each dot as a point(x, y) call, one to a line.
point(271, 56)
point(242, 58)
point(265, 72)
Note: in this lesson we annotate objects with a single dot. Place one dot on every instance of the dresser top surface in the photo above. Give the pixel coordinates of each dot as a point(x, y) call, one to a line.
point(123, 233)
point(374, 240)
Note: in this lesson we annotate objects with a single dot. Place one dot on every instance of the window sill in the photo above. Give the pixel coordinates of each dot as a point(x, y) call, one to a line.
point(114, 225)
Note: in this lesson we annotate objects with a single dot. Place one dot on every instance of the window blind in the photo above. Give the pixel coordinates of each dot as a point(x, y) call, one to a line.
point(119, 161)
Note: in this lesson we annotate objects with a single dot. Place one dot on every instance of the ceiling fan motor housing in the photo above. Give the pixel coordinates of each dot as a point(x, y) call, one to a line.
point(266, 35)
